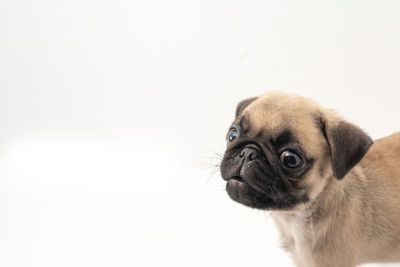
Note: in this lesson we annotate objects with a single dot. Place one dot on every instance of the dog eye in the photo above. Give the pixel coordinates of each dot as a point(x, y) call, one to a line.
point(232, 135)
point(290, 159)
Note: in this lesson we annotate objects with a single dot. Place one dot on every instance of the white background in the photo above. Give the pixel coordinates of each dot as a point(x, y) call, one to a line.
point(112, 114)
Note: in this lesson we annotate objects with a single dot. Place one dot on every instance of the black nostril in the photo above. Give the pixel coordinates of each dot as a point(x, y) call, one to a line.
point(249, 153)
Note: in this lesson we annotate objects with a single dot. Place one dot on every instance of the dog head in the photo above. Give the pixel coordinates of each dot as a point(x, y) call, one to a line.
point(282, 149)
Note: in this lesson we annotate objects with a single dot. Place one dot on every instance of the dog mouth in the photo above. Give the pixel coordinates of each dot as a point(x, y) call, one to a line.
point(241, 191)
point(237, 183)
point(237, 179)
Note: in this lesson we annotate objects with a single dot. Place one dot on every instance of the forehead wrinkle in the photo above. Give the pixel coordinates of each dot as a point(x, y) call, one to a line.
point(285, 137)
point(244, 124)
point(276, 110)
point(262, 117)
point(274, 122)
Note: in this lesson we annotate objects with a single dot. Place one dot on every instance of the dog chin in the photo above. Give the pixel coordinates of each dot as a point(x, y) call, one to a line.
point(241, 192)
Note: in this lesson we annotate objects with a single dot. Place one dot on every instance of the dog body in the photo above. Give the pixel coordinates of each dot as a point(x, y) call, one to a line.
point(333, 192)
point(350, 224)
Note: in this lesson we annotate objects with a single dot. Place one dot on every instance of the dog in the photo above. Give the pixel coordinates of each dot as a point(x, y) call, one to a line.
point(333, 192)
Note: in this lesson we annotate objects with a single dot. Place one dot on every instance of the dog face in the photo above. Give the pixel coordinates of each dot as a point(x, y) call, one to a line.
point(283, 149)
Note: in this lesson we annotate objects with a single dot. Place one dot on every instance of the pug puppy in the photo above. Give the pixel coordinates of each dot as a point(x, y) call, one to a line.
point(333, 192)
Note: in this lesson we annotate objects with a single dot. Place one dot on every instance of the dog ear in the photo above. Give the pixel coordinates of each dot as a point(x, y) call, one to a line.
point(243, 104)
point(348, 145)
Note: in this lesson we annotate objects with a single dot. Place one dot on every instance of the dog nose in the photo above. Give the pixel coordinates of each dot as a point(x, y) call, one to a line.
point(249, 154)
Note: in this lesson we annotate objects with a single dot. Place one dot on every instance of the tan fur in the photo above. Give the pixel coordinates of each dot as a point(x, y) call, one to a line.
point(346, 222)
